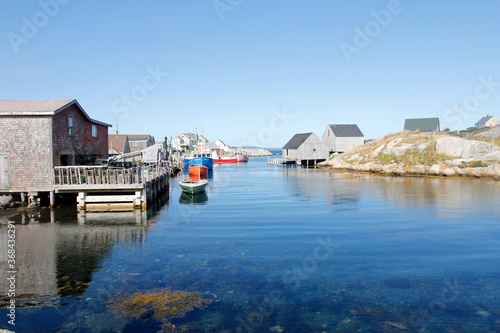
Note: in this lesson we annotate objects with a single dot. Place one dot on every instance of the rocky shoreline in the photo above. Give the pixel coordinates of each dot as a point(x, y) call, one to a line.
point(422, 154)
point(257, 152)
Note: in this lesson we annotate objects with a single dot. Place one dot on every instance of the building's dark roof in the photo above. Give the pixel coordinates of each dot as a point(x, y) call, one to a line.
point(422, 124)
point(118, 142)
point(297, 140)
point(140, 137)
point(211, 145)
point(33, 106)
point(483, 120)
point(346, 130)
point(40, 107)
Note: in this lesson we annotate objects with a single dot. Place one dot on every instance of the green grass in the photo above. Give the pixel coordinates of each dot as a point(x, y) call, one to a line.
point(416, 158)
point(442, 156)
point(413, 158)
point(473, 164)
point(384, 158)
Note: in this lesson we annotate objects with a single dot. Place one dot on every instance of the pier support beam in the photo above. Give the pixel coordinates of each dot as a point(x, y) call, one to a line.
point(52, 199)
point(81, 200)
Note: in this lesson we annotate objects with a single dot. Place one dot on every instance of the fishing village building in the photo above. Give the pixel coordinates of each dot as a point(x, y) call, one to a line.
point(128, 143)
point(488, 121)
point(187, 141)
point(339, 138)
point(305, 147)
point(222, 145)
point(309, 149)
point(38, 135)
point(422, 124)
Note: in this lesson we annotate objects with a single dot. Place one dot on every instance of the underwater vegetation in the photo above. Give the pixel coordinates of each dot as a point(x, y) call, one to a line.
point(162, 305)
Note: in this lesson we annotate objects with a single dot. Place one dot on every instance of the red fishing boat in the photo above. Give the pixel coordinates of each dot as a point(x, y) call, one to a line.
point(242, 156)
point(198, 170)
point(225, 159)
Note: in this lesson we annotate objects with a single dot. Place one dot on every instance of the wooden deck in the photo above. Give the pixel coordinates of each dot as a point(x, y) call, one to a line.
point(71, 178)
point(108, 188)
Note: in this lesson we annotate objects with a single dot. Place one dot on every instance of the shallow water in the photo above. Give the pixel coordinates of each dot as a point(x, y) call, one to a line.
point(275, 249)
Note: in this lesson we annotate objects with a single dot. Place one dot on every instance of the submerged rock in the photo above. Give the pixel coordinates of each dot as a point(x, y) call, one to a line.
point(483, 313)
point(276, 328)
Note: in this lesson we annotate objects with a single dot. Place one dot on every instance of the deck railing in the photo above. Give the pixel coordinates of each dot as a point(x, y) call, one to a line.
point(104, 175)
point(96, 175)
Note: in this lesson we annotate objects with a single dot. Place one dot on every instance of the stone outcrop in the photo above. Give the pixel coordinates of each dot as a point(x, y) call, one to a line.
point(492, 134)
point(438, 154)
point(465, 149)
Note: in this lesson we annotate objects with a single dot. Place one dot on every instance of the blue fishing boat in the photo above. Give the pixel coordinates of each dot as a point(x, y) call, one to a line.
point(199, 158)
point(207, 162)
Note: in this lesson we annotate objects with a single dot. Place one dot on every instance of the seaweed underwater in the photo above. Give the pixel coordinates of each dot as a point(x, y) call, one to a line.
point(162, 305)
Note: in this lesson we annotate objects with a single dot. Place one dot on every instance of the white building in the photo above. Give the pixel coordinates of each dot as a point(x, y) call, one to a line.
point(339, 138)
point(187, 141)
point(221, 145)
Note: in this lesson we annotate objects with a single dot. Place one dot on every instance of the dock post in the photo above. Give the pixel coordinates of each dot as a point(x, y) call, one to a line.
point(145, 195)
point(81, 217)
point(52, 196)
point(81, 200)
point(137, 200)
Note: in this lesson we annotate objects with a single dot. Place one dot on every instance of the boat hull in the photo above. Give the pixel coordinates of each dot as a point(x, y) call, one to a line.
point(193, 187)
point(204, 161)
point(198, 170)
point(224, 160)
point(242, 158)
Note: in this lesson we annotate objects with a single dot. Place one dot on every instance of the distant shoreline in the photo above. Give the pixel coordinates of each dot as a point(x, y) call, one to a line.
point(251, 152)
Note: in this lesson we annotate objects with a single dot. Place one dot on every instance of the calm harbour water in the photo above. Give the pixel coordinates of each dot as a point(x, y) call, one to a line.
point(276, 250)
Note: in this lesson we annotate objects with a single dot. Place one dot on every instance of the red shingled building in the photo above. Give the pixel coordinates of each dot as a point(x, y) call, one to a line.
point(36, 135)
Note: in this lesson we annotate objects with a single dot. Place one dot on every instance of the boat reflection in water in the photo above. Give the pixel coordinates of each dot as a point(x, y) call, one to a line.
point(193, 199)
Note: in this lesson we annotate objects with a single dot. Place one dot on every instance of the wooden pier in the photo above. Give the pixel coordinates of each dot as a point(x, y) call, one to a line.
point(281, 162)
point(293, 162)
point(109, 188)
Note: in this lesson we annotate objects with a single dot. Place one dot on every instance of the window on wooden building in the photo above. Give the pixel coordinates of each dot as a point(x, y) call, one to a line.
point(94, 131)
point(70, 126)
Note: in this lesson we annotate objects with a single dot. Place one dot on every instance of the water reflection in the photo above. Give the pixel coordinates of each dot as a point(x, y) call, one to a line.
point(58, 250)
point(348, 188)
point(210, 174)
point(445, 194)
point(310, 184)
point(193, 199)
point(390, 256)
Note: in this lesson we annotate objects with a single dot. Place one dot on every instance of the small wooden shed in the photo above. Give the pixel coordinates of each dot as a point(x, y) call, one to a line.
point(305, 147)
point(341, 137)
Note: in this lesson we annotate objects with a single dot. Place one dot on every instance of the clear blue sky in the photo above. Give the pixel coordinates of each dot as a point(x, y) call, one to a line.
point(235, 65)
